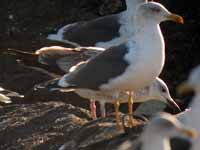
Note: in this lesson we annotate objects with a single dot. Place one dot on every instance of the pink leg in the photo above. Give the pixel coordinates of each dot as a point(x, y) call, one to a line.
point(93, 109)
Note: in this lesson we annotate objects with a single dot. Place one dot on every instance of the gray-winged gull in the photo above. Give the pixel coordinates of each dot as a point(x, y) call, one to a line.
point(157, 134)
point(191, 117)
point(157, 90)
point(61, 56)
point(130, 66)
point(104, 31)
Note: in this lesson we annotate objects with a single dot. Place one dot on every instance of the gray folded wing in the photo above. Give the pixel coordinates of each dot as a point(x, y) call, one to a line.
point(88, 33)
point(108, 64)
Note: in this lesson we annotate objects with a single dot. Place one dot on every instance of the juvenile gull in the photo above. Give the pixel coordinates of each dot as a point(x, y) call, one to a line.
point(105, 31)
point(6, 94)
point(63, 58)
point(130, 66)
point(192, 117)
point(157, 134)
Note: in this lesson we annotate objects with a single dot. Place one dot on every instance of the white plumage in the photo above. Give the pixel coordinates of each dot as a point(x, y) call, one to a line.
point(191, 117)
point(156, 135)
point(157, 90)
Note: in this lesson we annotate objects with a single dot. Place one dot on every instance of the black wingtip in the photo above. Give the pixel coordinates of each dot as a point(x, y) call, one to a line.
point(51, 85)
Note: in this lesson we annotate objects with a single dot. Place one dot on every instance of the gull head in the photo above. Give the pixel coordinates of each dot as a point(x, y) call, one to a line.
point(155, 13)
point(166, 125)
point(192, 83)
point(160, 91)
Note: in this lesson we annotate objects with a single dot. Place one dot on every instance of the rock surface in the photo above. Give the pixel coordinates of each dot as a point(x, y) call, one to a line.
point(39, 125)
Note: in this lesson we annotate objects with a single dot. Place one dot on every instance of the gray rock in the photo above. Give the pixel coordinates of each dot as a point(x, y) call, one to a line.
point(101, 134)
point(35, 126)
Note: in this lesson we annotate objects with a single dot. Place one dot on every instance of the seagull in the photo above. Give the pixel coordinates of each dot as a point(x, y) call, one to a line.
point(61, 57)
point(6, 94)
point(129, 66)
point(192, 116)
point(157, 134)
point(104, 32)
point(64, 58)
point(157, 90)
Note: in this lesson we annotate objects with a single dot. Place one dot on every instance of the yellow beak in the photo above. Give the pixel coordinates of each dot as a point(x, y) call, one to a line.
point(176, 18)
point(184, 88)
point(189, 132)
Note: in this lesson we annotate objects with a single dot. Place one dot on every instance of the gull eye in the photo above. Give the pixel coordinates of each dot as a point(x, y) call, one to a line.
point(163, 90)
